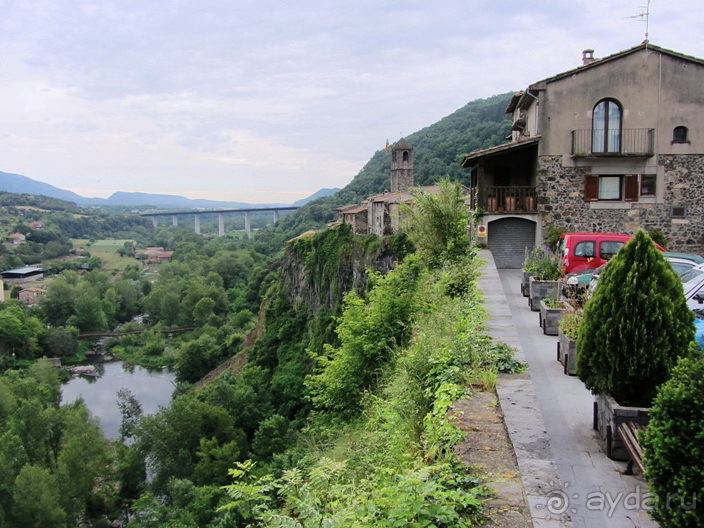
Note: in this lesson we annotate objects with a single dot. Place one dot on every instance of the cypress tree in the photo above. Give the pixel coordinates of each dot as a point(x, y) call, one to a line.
point(636, 325)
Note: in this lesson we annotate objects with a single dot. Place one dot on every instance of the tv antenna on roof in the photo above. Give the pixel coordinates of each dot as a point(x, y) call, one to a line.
point(644, 16)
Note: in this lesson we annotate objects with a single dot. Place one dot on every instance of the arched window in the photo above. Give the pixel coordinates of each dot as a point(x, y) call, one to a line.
point(679, 134)
point(405, 156)
point(606, 126)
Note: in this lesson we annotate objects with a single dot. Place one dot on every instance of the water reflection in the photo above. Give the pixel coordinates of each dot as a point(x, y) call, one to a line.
point(151, 388)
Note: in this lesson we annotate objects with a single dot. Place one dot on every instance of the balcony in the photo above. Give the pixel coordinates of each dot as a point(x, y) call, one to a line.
point(627, 142)
point(504, 200)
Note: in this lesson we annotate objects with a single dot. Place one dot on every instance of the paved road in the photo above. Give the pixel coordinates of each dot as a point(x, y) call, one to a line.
point(598, 494)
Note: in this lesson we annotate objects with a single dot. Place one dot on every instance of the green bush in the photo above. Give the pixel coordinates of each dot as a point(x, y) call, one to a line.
point(636, 325)
point(569, 324)
point(674, 447)
point(543, 263)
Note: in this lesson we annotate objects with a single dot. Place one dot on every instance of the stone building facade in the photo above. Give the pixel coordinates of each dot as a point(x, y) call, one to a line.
point(614, 145)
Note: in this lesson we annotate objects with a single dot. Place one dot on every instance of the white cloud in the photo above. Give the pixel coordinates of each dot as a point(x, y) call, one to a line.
point(260, 101)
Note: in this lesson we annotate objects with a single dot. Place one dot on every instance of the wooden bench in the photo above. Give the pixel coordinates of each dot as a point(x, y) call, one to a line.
point(629, 434)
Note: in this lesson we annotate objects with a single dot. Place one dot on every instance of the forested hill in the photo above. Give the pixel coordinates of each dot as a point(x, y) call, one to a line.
point(437, 149)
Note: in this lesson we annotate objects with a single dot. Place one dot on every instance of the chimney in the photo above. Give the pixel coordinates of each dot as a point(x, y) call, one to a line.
point(588, 56)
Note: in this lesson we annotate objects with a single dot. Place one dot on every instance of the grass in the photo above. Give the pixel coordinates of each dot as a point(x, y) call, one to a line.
point(107, 251)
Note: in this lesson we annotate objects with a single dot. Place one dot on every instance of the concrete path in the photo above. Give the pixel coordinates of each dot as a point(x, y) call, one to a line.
point(565, 473)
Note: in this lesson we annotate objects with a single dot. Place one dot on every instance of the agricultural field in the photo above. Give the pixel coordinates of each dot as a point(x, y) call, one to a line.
point(107, 251)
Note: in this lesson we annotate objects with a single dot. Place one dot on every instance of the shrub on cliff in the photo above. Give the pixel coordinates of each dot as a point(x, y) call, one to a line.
point(437, 223)
point(636, 325)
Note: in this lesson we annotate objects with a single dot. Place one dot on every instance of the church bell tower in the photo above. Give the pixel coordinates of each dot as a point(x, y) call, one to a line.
point(401, 166)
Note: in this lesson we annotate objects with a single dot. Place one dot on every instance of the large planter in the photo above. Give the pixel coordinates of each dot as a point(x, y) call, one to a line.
point(608, 415)
point(491, 205)
point(510, 203)
point(550, 317)
point(567, 352)
point(539, 290)
point(524, 282)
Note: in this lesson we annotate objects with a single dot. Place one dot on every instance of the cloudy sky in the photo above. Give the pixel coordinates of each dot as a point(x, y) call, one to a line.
point(268, 101)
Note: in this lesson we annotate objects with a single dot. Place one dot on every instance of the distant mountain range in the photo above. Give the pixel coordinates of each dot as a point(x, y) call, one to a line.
point(16, 183)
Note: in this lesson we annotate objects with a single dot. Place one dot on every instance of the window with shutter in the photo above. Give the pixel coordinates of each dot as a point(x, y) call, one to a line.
point(591, 187)
point(631, 189)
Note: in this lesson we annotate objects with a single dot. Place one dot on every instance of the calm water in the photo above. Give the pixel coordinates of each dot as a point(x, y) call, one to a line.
point(151, 388)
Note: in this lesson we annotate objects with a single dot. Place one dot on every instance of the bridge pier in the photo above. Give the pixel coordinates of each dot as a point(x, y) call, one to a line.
point(155, 222)
point(247, 225)
point(276, 216)
point(197, 224)
point(174, 220)
point(221, 224)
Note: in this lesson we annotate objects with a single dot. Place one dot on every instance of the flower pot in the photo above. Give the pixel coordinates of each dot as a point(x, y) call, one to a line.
point(540, 289)
point(550, 317)
point(510, 203)
point(530, 203)
point(608, 415)
point(524, 282)
point(491, 204)
point(567, 352)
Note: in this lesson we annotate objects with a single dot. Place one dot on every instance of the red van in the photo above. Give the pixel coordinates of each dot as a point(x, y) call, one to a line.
point(583, 251)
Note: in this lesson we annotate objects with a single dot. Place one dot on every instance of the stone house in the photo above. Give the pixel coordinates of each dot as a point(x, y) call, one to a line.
point(16, 238)
point(31, 295)
point(356, 216)
point(613, 145)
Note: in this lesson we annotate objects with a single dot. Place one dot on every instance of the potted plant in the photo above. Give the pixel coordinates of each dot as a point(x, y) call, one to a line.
point(567, 332)
point(543, 283)
point(491, 204)
point(551, 311)
point(530, 266)
point(510, 200)
point(636, 326)
point(530, 202)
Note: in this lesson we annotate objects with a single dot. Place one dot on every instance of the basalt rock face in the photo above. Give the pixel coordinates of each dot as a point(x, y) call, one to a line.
point(318, 271)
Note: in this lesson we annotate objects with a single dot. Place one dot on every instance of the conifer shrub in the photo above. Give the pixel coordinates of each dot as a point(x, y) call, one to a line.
point(674, 447)
point(636, 325)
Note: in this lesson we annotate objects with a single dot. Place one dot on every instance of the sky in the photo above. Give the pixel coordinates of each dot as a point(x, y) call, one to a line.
point(268, 101)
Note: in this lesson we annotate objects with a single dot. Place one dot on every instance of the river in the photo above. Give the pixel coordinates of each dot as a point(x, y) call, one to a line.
point(152, 388)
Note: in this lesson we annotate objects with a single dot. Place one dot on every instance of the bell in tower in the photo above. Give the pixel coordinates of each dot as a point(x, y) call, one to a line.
point(401, 166)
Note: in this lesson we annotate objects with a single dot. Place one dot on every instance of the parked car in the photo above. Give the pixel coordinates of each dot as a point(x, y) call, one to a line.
point(584, 251)
point(680, 262)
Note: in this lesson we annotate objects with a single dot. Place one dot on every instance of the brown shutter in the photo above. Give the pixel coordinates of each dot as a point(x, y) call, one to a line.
point(591, 187)
point(631, 188)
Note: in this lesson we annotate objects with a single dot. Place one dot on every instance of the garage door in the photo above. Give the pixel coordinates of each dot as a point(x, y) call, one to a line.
point(508, 240)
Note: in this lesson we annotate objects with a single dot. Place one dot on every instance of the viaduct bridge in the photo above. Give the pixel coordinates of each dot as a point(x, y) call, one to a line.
point(221, 217)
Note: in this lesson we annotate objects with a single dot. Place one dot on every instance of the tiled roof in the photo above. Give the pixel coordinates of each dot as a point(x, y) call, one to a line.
point(499, 149)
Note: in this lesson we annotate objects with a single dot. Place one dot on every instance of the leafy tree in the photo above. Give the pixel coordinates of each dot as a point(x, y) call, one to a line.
point(674, 447)
point(60, 341)
point(635, 327)
point(84, 457)
point(131, 412)
point(273, 436)
point(19, 332)
point(89, 315)
point(36, 499)
point(437, 223)
point(12, 459)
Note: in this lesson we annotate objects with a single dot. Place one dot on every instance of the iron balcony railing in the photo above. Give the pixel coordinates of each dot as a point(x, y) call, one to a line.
point(623, 142)
point(514, 199)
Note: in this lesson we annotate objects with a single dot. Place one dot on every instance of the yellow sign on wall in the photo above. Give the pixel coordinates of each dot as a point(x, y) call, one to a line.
point(481, 231)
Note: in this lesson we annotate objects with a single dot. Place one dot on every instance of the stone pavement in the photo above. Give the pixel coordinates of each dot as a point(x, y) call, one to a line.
point(567, 478)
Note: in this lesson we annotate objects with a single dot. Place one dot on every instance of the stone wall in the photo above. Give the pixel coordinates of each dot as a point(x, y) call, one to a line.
point(561, 202)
